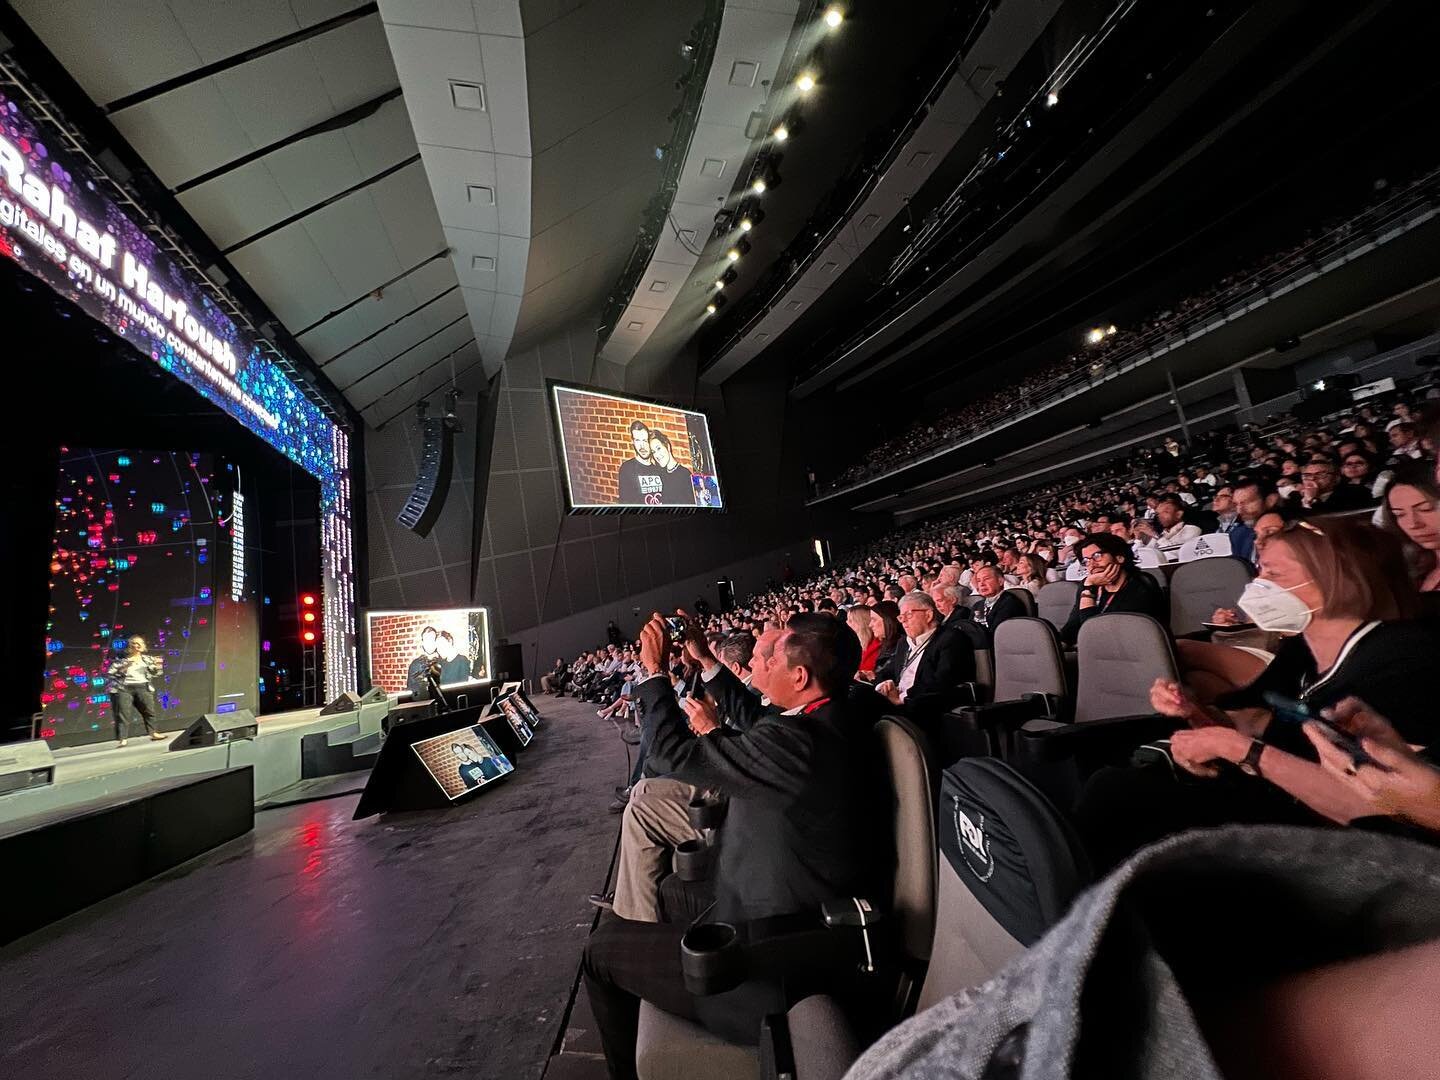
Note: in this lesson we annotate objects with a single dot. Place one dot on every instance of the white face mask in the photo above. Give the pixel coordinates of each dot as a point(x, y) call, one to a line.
point(1275, 608)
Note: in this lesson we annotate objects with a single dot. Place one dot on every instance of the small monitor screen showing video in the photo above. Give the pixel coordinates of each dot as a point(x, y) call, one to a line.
point(514, 712)
point(420, 652)
point(626, 454)
point(527, 708)
point(462, 760)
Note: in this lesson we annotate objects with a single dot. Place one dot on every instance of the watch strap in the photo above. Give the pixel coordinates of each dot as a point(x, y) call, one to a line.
point(1250, 763)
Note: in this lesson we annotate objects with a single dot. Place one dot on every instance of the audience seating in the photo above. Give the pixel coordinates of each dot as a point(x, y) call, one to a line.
point(1010, 868)
point(1056, 601)
point(669, 1048)
point(1198, 587)
point(1026, 598)
point(1029, 683)
point(1120, 656)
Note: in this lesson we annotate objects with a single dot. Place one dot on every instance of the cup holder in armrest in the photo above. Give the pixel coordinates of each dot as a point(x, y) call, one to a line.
point(707, 813)
point(711, 959)
point(692, 860)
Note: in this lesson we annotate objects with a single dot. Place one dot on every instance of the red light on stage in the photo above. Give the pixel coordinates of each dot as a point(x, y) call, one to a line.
point(309, 616)
point(307, 600)
point(308, 637)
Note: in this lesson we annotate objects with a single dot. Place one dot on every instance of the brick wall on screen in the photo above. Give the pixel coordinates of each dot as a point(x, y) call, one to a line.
point(395, 641)
point(599, 442)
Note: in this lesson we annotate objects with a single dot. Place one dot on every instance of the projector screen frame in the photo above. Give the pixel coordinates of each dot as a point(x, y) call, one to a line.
point(562, 454)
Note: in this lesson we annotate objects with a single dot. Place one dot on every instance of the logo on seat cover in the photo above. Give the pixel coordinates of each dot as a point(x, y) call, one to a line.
point(1202, 549)
point(971, 840)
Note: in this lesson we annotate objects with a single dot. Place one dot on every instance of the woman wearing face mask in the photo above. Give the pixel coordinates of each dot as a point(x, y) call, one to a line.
point(1340, 597)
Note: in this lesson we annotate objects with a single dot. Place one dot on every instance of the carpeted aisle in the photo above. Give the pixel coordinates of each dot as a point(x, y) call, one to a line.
point(440, 944)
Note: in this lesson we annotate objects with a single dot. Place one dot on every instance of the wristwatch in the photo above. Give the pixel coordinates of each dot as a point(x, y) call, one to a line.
point(1250, 763)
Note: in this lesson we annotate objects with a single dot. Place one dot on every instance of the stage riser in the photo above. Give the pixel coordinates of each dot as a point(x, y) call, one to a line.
point(275, 757)
point(58, 867)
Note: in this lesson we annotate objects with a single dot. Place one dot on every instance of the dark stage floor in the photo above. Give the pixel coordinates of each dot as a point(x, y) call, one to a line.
point(440, 944)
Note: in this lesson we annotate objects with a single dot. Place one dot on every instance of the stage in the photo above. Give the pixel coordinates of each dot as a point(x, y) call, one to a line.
point(99, 770)
point(401, 946)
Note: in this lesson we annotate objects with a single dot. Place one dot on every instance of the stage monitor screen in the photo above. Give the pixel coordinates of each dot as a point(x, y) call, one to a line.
point(521, 720)
point(623, 453)
point(414, 651)
point(462, 760)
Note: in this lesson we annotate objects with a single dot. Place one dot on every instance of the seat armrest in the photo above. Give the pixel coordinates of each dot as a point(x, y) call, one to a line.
point(1006, 715)
point(1045, 742)
point(814, 1040)
point(717, 957)
point(777, 1051)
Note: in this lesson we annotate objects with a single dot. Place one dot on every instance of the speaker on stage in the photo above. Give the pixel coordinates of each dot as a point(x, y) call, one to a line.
point(373, 696)
point(348, 701)
point(213, 729)
point(25, 765)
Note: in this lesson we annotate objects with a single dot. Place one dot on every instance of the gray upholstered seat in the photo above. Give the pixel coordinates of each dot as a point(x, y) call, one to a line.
point(1120, 657)
point(1201, 586)
point(1027, 660)
point(1056, 601)
point(669, 1048)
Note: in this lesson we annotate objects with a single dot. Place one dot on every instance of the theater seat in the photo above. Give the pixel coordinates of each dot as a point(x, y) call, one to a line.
point(1202, 585)
point(1029, 683)
point(669, 1048)
point(1026, 598)
point(1010, 867)
point(1056, 601)
point(1119, 656)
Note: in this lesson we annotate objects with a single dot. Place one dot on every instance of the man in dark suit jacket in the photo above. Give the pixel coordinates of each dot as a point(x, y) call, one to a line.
point(924, 676)
point(996, 605)
point(796, 832)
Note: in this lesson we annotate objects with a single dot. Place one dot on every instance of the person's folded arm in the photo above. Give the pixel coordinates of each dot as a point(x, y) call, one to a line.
point(769, 758)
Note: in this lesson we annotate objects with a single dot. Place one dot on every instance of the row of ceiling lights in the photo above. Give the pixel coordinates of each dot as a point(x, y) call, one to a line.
point(767, 176)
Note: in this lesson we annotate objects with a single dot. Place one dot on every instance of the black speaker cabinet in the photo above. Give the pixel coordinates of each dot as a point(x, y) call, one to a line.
point(348, 701)
point(432, 484)
point(25, 765)
point(212, 729)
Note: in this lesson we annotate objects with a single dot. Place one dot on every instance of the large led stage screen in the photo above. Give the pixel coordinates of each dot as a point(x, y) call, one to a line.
point(624, 453)
point(453, 643)
point(141, 547)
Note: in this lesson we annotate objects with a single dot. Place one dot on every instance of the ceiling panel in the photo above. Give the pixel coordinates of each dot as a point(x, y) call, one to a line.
point(134, 45)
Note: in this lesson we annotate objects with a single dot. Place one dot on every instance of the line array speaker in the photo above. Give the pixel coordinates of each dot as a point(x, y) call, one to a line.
point(432, 484)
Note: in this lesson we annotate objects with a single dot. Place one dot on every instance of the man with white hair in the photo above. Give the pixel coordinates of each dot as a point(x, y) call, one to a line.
point(931, 663)
point(949, 602)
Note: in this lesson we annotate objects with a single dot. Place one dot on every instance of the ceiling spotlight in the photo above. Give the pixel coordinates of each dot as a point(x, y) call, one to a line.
point(758, 187)
point(746, 224)
point(710, 309)
point(733, 254)
point(1094, 336)
point(1052, 99)
point(1110, 330)
point(805, 82)
point(834, 16)
point(719, 283)
point(781, 133)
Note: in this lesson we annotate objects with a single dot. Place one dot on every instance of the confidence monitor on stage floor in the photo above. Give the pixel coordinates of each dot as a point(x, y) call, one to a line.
point(432, 763)
point(412, 652)
point(624, 453)
point(521, 722)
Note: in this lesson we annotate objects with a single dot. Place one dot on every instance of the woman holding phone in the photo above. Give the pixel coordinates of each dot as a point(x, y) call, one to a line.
point(1339, 595)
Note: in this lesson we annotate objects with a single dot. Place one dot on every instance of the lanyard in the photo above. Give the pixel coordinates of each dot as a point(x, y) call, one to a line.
point(814, 705)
